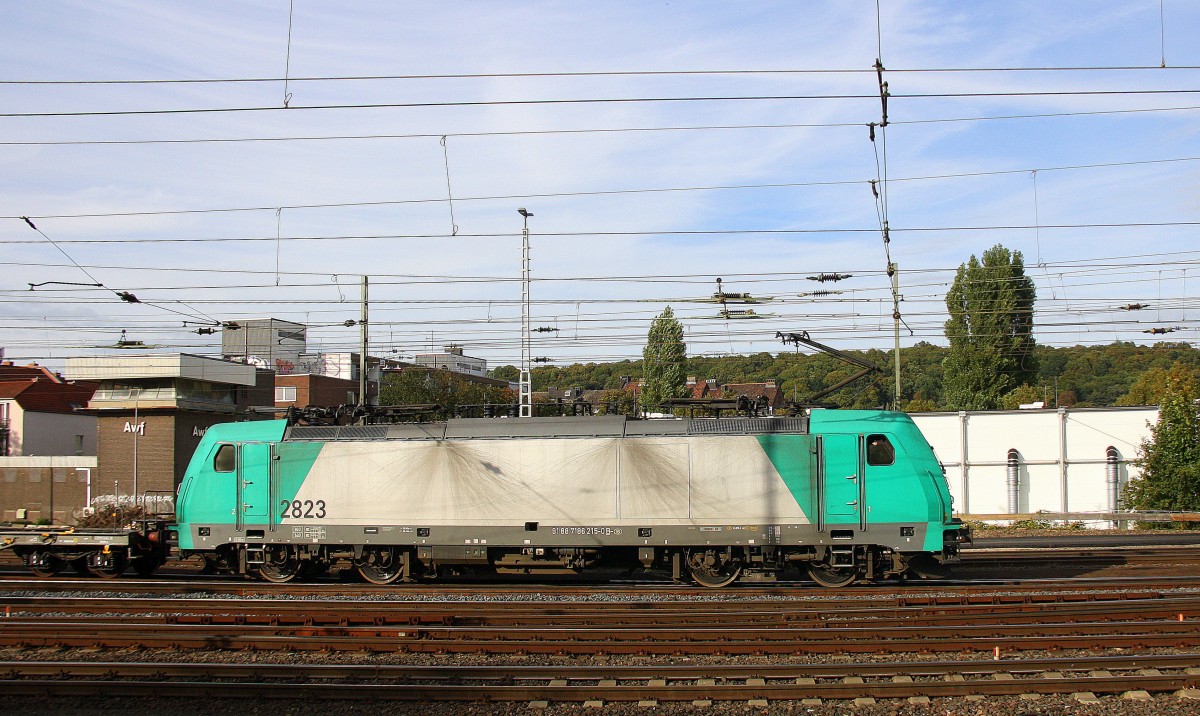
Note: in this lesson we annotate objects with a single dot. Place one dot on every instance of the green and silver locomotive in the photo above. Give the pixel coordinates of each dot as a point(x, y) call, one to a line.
point(844, 495)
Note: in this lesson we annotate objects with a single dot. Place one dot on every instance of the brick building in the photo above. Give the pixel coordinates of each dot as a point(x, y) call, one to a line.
point(310, 389)
point(151, 412)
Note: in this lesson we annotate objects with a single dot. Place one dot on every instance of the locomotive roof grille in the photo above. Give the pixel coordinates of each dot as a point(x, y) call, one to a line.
point(607, 426)
point(747, 426)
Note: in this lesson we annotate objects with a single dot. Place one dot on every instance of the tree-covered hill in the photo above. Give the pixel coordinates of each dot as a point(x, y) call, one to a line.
point(1085, 376)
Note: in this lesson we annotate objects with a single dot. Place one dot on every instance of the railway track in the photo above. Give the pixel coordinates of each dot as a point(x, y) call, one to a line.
point(916, 681)
point(1009, 622)
point(943, 610)
point(609, 643)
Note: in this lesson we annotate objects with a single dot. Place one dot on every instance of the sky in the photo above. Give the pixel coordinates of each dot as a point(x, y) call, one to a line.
point(235, 160)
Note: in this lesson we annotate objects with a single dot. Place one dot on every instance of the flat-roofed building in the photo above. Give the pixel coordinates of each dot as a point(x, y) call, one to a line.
point(452, 359)
point(152, 410)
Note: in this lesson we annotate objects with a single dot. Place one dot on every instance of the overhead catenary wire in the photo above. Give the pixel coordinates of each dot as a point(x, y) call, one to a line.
point(691, 99)
point(123, 295)
point(614, 192)
point(594, 130)
point(595, 73)
point(600, 233)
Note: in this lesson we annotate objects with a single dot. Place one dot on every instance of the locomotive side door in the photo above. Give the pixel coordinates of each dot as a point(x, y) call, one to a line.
point(842, 472)
point(254, 482)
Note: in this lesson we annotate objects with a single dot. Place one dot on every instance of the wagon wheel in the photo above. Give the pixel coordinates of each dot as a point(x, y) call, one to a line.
point(710, 569)
point(146, 564)
point(115, 568)
point(51, 565)
point(827, 576)
point(280, 564)
point(381, 565)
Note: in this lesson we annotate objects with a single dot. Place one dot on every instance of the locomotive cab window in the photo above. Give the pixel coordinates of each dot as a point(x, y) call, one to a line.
point(880, 450)
point(226, 459)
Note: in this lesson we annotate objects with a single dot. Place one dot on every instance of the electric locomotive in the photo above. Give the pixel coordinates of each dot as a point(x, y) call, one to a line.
point(844, 495)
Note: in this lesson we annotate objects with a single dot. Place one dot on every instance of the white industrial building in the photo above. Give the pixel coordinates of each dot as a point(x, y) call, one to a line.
point(452, 359)
point(1026, 461)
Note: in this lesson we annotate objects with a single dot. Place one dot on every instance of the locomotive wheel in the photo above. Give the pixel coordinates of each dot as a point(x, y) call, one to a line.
point(926, 567)
point(827, 576)
point(280, 564)
point(52, 566)
point(710, 569)
point(382, 565)
point(120, 561)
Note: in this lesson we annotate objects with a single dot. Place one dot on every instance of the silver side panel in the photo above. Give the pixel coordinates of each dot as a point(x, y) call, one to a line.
point(668, 480)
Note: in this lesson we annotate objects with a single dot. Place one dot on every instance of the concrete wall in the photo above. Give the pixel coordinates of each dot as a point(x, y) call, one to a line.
point(58, 434)
point(32, 433)
point(1062, 453)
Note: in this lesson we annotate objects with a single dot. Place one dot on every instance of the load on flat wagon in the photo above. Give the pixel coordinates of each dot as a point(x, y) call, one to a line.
point(845, 495)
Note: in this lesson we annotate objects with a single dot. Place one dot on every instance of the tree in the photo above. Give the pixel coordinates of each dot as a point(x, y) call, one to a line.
point(417, 386)
point(1170, 458)
point(990, 331)
point(920, 405)
point(617, 401)
point(506, 372)
point(664, 361)
point(1023, 395)
point(1151, 387)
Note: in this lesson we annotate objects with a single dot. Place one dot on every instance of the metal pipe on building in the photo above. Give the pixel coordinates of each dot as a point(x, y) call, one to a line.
point(966, 463)
point(1014, 481)
point(1062, 459)
point(1112, 479)
point(88, 485)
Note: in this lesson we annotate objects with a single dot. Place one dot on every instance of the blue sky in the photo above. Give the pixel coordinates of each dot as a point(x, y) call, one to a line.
point(638, 203)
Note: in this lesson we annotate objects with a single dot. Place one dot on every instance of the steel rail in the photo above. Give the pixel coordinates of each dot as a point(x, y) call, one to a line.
point(638, 640)
point(628, 614)
point(621, 672)
point(797, 609)
point(237, 586)
point(581, 693)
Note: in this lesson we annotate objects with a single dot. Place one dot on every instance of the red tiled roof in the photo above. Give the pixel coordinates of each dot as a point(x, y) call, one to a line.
point(756, 390)
point(43, 396)
point(8, 371)
point(751, 389)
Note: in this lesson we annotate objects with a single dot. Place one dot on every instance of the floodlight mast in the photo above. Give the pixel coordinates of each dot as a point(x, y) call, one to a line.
point(362, 347)
point(526, 379)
